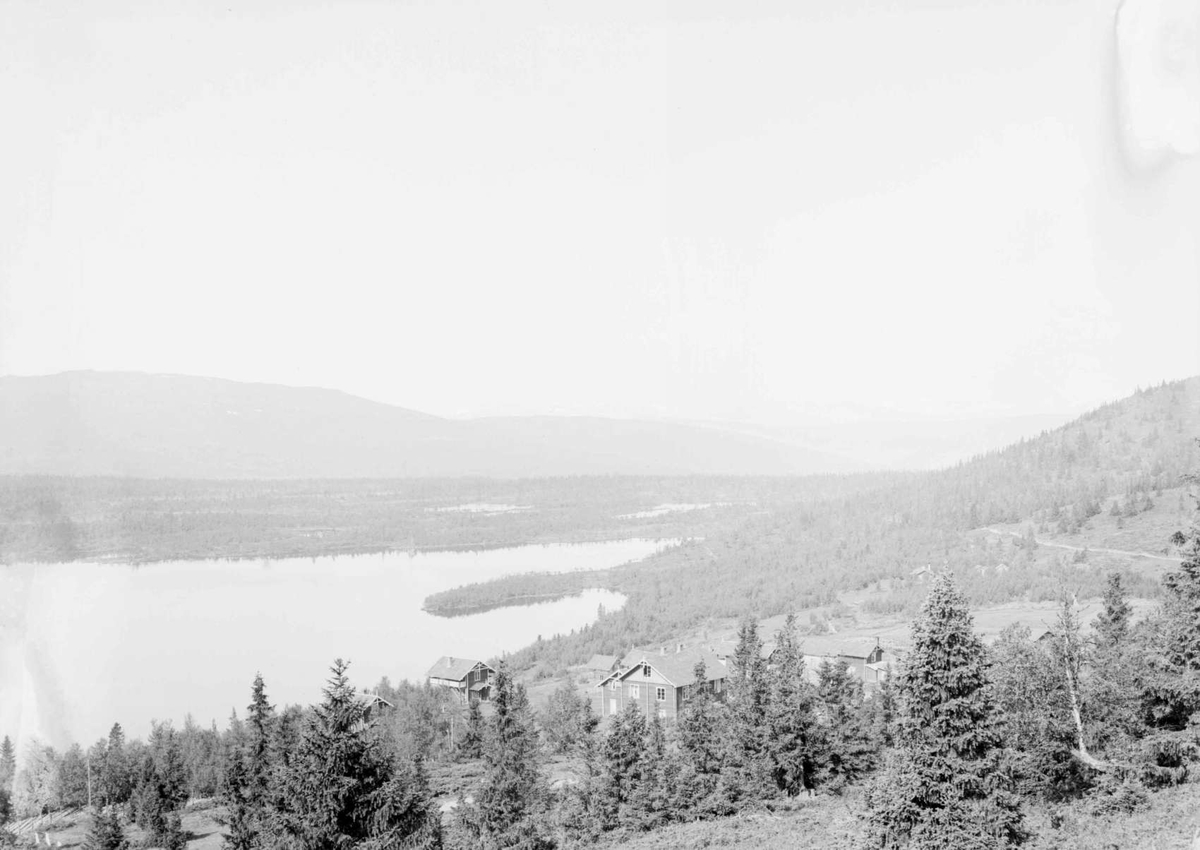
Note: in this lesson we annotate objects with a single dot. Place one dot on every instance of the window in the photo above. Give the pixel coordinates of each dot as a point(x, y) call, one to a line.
point(635, 691)
point(646, 670)
point(717, 686)
point(662, 714)
point(615, 684)
point(660, 694)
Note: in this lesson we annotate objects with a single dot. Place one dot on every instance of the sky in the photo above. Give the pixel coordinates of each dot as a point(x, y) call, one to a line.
point(756, 212)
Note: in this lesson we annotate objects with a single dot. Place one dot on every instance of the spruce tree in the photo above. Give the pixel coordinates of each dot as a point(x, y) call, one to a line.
point(343, 790)
point(160, 789)
point(624, 750)
point(795, 736)
point(115, 779)
point(511, 796)
point(747, 769)
point(72, 778)
point(942, 789)
point(883, 709)
point(701, 728)
point(1112, 623)
point(1110, 694)
point(243, 831)
point(260, 717)
point(105, 832)
point(470, 744)
point(849, 748)
point(8, 764)
point(657, 803)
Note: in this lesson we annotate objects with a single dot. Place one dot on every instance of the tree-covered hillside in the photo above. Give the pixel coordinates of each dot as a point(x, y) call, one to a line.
point(801, 555)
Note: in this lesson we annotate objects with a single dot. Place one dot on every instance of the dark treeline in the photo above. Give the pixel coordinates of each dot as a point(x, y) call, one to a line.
point(45, 518)
point(521, 589)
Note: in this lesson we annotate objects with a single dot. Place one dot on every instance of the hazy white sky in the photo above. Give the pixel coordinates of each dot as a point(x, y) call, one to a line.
point(629, 209)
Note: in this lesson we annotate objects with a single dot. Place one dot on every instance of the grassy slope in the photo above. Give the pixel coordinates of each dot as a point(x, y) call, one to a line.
point(201, 824)
point(833, 823)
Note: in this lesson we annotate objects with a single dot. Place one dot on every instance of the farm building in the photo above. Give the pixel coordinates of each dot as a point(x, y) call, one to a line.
point(599, 665)
point(726, 650)
point(867, 659)
point(658, 680)
point(468, 676)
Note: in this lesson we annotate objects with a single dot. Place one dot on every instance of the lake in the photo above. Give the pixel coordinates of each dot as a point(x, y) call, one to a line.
point(101, 643)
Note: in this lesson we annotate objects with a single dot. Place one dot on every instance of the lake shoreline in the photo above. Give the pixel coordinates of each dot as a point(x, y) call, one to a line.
point(202, 629)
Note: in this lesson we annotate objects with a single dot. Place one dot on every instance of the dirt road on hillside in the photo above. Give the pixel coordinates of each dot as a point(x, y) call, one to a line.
point(1089, 548)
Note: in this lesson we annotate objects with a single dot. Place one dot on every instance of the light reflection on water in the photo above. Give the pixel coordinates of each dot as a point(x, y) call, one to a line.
point(106, 642)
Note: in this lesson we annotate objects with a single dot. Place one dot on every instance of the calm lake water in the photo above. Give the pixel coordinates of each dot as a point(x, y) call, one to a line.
point(103, 642)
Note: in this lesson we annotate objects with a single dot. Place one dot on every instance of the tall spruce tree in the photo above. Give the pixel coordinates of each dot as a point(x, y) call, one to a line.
point(1110, 694)
point(657, 803)
point(511, 797)
point(701, 729)
point(942, 789)
point(746, 772)
point(8, 764)
point(72, 778)
point(883, 710)
point(260, 721)
point(1112, 623)
point(343, 790)
point(160, 788)
point(470, 743)
point(624, 765)
point(849, 747)
point(115, 780)
point(795, 736)
point(243, 823)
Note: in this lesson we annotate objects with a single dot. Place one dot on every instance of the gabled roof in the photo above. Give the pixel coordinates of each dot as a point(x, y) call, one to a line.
point(825, 647)
point(728, 648)
point(452, 667)
point(601, 662)
point(676, 666)
point(724, 648)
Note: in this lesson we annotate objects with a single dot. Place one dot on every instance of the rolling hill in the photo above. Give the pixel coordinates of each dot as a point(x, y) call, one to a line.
point(171, 426)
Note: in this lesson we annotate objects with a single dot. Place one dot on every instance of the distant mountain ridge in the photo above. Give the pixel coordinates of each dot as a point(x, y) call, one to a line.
point(173, 426)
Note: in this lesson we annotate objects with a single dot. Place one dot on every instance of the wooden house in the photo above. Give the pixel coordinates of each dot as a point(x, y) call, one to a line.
point(373, 705)
point(600, 665)
point(659, 681)
point(867, 659)
point(471, 678)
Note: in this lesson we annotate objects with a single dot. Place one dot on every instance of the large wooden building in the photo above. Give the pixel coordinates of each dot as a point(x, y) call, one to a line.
point(659, 681)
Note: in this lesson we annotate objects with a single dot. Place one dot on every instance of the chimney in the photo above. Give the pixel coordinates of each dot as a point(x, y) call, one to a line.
point(662, 650)
point(678, 648)
point(451, 660)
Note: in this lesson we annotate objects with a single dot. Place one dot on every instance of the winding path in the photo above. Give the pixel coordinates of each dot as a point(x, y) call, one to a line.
point(1090, 548)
